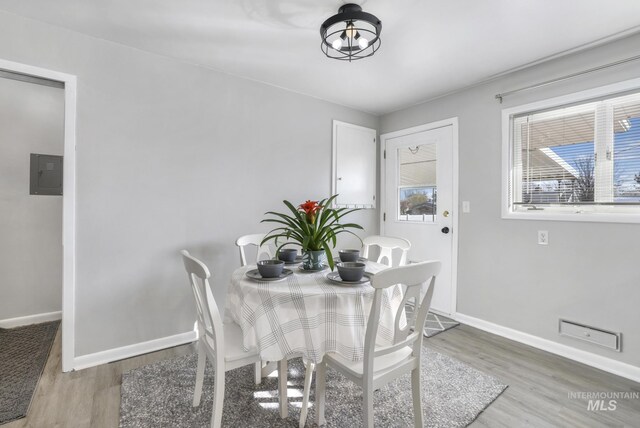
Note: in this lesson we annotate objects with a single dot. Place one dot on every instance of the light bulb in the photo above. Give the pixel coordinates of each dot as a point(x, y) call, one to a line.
point(363, 43)
point(337, 44)
point(351, 30)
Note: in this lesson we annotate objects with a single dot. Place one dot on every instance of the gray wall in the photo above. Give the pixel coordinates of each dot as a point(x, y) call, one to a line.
point(31, 121)
point(171, 156)
point(589, 272)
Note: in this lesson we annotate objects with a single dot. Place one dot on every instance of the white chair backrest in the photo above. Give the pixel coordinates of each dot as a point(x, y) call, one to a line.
point(387, 244)
point(412, 277)
point(254, 240)
point(209, 319)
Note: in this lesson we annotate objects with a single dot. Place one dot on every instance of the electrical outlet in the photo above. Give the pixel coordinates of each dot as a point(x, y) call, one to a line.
point(543, 237)
point(466, 206)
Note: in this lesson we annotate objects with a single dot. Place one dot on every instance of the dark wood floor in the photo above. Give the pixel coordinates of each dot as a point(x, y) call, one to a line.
point(538, 393)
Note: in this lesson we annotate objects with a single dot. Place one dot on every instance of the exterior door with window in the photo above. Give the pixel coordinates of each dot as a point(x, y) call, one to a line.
point(419, 201)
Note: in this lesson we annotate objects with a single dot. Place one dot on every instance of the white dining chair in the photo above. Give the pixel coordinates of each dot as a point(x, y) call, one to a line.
point(383, 364)
point(253, 240)
point(243, 242)
point(221, 342)
point(387, 244)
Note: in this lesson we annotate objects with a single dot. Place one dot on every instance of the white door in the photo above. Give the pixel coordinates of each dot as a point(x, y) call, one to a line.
point(419, 201)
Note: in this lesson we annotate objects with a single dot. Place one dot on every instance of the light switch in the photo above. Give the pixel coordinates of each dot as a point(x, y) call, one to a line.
point(466, 206)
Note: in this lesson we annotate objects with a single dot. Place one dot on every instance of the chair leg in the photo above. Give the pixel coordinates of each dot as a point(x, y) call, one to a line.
point(202, 362)
point(305, 394)
point(367, 406)
point(416, 394)
point(218, 396)
point(321, 373)
point(258, 372)
point(282, 388)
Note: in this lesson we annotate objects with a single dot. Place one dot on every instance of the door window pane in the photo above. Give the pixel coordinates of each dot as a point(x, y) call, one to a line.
point(417, 188)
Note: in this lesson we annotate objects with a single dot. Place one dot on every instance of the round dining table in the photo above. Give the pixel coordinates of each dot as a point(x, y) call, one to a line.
point(306, 314)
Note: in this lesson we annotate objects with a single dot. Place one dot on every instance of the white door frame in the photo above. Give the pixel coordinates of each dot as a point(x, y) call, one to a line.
point(453, 122)
point(68, 202)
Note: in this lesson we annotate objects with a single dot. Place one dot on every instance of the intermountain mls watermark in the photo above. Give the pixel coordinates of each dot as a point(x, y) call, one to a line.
point(604, 401)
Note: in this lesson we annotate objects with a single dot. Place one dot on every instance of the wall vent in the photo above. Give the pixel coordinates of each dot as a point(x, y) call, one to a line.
point(598, 336)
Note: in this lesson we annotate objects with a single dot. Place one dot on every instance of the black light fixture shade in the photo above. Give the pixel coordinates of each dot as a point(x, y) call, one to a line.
point(351, 34)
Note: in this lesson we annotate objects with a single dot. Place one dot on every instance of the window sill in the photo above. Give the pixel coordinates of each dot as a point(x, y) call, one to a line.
point(575, 217)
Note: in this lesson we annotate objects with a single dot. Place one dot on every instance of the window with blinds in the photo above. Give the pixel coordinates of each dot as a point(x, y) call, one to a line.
point(577, 158)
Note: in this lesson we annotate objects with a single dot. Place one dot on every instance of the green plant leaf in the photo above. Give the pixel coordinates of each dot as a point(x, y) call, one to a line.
point(327, 251)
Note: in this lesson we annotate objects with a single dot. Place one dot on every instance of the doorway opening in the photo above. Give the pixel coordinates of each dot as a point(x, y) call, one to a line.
point(50, 97)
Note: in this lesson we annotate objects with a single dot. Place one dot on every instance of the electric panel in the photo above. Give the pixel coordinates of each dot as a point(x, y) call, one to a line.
point(46, 174)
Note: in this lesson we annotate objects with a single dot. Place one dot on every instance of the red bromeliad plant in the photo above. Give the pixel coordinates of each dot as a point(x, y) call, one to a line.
point(314, 226)
point(310, 208)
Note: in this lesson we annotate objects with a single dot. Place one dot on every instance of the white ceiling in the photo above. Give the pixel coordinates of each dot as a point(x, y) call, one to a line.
point(429, 47)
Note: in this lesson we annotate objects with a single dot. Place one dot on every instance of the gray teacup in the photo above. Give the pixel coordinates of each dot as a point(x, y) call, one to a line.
point(351, 271)
point(270, 268)
point(288, 254)
point(349, 255)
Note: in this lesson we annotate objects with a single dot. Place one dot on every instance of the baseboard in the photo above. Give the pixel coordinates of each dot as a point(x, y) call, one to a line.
point(598, 361)
point(444, 314)
point(110, 355)
point(31, 319)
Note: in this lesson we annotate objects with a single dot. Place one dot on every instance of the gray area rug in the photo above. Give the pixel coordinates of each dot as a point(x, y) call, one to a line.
point(160, 395)
point(23, 355)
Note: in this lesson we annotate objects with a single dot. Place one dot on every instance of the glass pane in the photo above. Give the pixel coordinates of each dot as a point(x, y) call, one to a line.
point(626, 150)
point(556, 155)
point(417, 187)
point(585, 155)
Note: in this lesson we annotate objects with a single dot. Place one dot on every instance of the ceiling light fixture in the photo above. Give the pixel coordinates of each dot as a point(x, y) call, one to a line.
point(351, 34)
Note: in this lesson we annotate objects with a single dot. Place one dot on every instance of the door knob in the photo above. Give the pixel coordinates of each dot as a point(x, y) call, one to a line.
point(445, 229)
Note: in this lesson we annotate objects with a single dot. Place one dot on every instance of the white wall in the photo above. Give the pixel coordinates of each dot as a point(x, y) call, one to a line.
point(588, 273)
point(31, 121)
point(171, 156)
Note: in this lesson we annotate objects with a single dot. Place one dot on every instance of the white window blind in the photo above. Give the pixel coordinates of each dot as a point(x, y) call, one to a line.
point(579, 158)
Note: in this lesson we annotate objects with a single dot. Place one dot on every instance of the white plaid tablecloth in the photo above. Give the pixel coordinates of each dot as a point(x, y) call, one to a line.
point(307, 314)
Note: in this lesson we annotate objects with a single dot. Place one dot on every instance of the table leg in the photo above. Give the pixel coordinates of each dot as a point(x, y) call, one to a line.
point(264, 369)
point(305, 394)
point(321, 372)
point(268, 368)
point(257, 370)
point(282, 388)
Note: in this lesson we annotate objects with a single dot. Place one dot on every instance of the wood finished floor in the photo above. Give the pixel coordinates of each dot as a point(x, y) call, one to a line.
point(537, 396)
